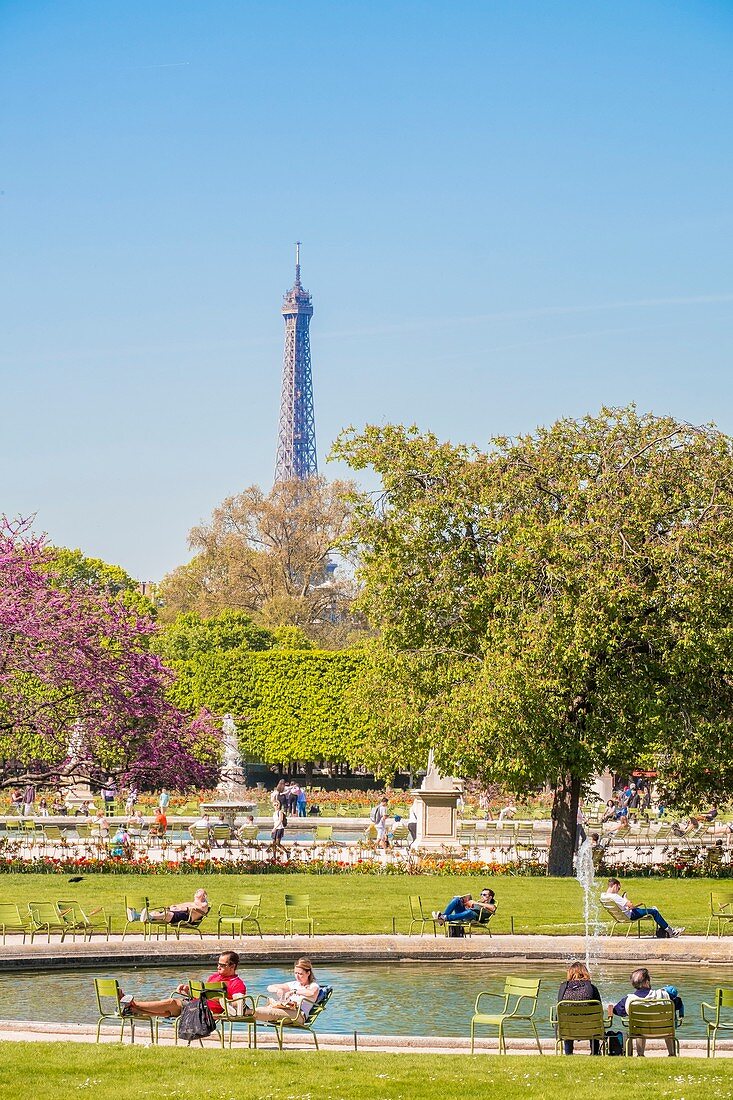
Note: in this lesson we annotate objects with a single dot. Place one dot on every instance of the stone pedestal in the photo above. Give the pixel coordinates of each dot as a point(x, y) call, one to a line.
point(437, 820)
point(228, 811)
point(436, 809)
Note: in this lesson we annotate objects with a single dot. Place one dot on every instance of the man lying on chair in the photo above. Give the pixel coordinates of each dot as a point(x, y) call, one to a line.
point(188, 912)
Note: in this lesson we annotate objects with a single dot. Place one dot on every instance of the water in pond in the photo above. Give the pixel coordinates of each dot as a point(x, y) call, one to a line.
point(426, 998)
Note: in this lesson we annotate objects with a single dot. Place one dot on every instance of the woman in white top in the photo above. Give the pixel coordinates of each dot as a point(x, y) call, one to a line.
point(279, 821)
point(293, 1000)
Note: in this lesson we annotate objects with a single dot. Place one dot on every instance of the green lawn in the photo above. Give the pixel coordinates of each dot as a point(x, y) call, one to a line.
point(362, 904)
point(57, 1071)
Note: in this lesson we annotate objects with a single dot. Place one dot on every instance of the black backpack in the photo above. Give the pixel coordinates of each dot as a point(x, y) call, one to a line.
point(196, 1020)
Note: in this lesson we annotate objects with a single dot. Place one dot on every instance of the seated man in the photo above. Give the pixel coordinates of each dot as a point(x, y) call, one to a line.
point(226, 971)
point(614, 896)
point(458, 911)
point(189, 912)
point(642, 991)
point(485, 905)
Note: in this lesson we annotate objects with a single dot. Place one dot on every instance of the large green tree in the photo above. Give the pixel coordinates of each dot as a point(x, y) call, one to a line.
point(558, 605)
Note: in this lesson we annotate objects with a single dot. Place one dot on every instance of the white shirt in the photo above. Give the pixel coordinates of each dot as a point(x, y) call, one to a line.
point(611, 895)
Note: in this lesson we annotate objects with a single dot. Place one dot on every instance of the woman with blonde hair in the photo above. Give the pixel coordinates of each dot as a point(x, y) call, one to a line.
point(293, 1000)
point(579, 987)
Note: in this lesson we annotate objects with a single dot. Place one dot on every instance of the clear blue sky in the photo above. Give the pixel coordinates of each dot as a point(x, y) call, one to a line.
point(510, 212)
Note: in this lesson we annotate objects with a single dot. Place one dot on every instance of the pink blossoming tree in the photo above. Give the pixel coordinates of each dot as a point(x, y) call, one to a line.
point(75, 657)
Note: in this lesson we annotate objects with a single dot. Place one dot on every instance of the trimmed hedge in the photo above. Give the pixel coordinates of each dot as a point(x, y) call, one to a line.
point(288, 705)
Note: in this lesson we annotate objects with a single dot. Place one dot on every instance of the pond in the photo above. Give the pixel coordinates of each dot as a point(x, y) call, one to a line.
point(398, 998)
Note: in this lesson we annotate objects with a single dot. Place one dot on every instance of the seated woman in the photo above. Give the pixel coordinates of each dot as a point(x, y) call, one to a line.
point(579, 987)
point(293, 1000)
point(190, 912)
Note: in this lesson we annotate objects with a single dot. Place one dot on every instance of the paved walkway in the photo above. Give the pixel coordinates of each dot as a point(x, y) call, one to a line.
point(685, 950)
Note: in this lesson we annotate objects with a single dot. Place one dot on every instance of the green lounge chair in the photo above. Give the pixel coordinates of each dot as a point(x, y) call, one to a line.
point(297, 912)
point(579, 1021)
point(721, 910)
point(651, 1020)
point(520, 1004)
point(298, 1024)
point(109, 1003)
point(718, 1021)
point(232, 918)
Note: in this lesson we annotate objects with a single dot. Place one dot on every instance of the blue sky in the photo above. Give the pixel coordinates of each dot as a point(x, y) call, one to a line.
point(509, 213)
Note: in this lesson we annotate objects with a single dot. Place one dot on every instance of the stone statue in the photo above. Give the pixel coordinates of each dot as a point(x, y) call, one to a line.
point(232, 777)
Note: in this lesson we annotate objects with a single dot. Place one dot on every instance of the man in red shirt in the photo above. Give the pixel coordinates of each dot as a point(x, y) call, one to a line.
point(226, 971)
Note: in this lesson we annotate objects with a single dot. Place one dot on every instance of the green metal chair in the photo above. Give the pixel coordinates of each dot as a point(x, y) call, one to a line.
point(221, 836)
point(135, 906)
point(581, 1021)
point(200, 838)
point(109, 1003)
point(517, 991)
point(298, 1024)
point(232, 918)
point(297, 911)
point(248, 838)
point(11, 920)
point(45, 916)
point(323, 833)
point(86, 921)
point(618, 917)
point(400, 835)
point(721, 910)
point(651, 1020)
point(419, 917)
point(719, 1022)
point(53, 836)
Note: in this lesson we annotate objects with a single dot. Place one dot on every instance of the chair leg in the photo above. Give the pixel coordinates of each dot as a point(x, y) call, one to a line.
point(537, 1038)
point(472, 1036)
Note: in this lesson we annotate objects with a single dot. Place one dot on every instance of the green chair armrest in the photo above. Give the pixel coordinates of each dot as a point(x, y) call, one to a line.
point(498, 996)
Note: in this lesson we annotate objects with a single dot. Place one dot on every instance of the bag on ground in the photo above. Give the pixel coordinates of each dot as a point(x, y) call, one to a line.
point(615, 1042)
point(196, 1020)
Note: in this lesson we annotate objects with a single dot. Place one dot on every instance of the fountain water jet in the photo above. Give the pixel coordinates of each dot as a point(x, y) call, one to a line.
point(585, 874)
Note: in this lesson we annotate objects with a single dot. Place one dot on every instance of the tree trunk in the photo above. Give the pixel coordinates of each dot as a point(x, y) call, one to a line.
point(564, 826)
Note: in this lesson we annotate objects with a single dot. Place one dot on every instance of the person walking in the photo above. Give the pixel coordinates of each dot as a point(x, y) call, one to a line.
point(29, 799)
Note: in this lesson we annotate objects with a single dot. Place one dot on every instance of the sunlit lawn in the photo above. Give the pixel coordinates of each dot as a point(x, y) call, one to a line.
point(52, 1071)
point(367, 903)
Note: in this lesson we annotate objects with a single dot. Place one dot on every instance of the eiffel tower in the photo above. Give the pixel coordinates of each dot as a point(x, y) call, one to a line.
point(296, 441)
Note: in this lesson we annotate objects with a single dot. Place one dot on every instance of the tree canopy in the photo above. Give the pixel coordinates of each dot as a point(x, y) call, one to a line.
point(557, 605)
point(268, 555)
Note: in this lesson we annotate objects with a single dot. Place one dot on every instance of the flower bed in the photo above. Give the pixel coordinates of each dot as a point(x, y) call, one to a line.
point(363, 865)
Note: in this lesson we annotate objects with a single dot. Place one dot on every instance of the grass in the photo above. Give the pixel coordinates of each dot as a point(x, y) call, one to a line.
point(122, 1073)
point(366, 904)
